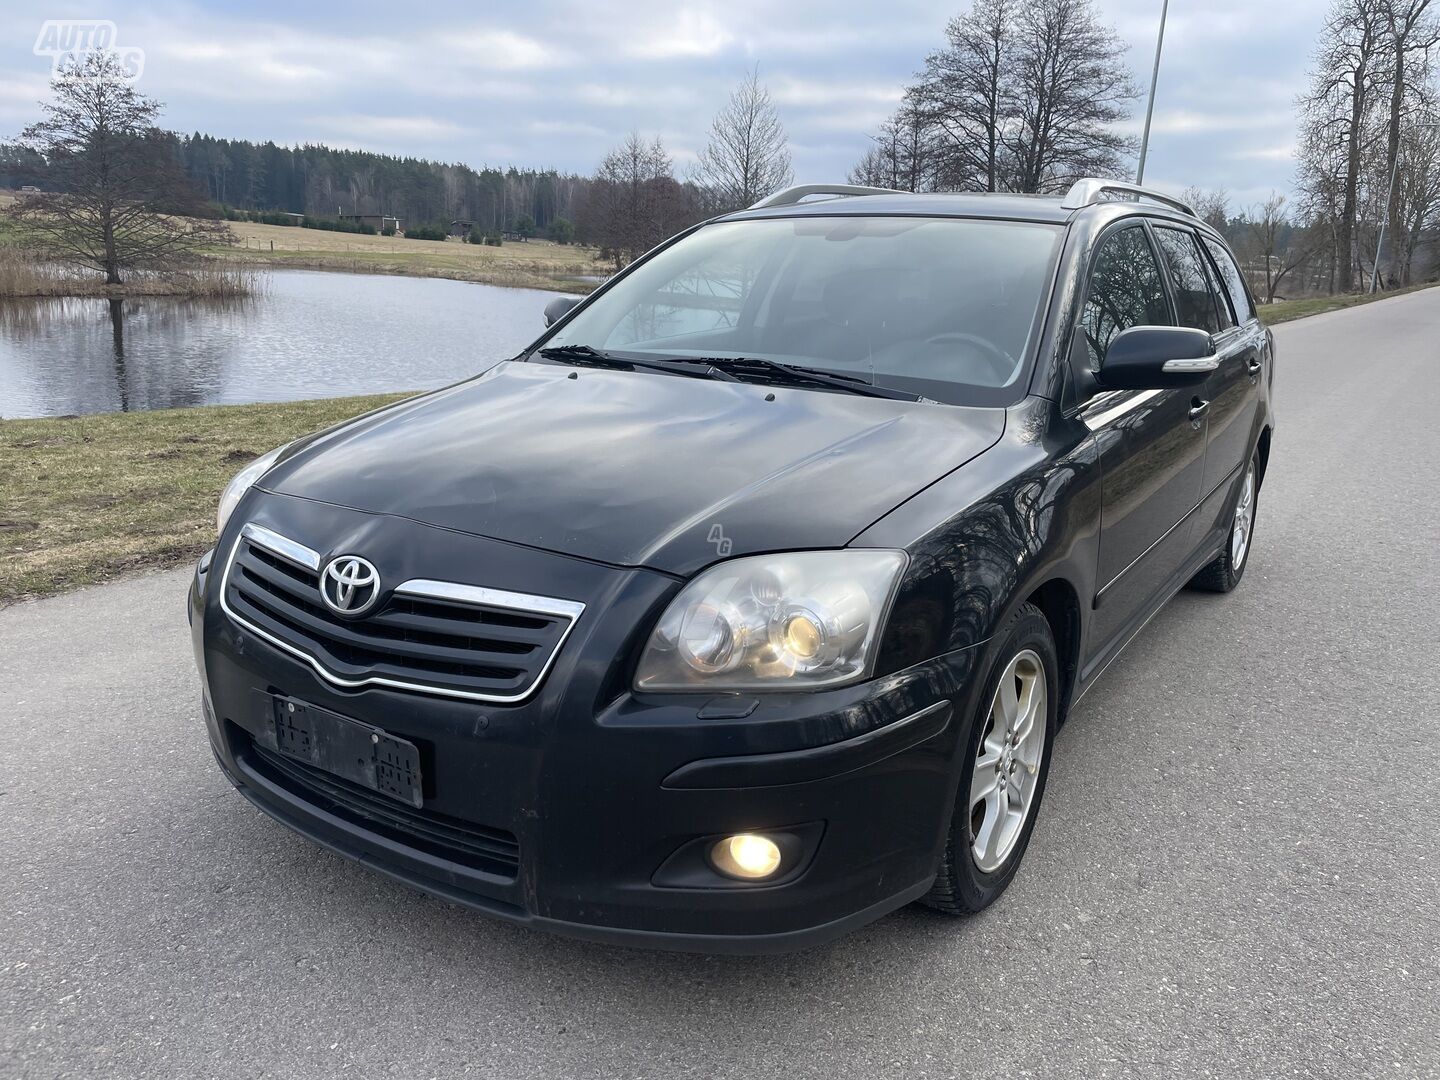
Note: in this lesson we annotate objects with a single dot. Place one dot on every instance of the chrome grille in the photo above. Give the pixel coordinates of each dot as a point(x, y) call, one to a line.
point(433, 637)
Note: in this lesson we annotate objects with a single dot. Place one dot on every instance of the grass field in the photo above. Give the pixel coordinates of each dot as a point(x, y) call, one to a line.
point(535, 264)
point(532, 264)
point(87, 498)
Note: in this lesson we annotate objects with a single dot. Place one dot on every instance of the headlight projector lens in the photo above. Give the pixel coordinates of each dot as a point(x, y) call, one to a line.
point(803, 636)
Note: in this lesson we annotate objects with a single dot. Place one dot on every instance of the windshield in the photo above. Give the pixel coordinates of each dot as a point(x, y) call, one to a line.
point(943, 307)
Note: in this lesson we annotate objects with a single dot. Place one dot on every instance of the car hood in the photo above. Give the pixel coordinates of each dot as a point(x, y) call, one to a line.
point(638, 469)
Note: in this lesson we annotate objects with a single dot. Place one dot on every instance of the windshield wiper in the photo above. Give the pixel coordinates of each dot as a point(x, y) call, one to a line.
point(586, 356)
point(797, 375)
point(725, 369)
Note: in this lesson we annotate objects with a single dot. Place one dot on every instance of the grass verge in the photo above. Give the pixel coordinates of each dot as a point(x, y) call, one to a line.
point(1286, 310)
point(87, 498)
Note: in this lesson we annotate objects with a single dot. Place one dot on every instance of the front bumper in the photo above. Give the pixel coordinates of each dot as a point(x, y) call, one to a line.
point(598, 787)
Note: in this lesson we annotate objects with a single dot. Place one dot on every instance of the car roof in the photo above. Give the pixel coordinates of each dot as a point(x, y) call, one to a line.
point(1045, 208)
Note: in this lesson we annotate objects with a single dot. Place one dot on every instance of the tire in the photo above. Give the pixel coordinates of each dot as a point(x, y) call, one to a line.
point(1224, 572)
point(969, 880)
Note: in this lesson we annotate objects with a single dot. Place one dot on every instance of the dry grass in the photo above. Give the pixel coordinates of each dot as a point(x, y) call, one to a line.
point(536, 264)
point(86, 498)
point(24, 275)
point(1285, 310)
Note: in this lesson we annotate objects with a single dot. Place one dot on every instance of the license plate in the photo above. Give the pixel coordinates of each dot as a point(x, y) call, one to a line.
point(361, 753)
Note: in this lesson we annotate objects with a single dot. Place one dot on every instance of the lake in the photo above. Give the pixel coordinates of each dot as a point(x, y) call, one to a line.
point(308, 334)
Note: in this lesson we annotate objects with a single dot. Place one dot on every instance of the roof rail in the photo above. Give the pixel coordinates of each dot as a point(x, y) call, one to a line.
point(1091, 190)
point(792, 195)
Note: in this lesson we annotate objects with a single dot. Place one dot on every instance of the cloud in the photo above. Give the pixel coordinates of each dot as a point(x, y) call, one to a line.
point(790, 90)
point(408, 128)
point(1283, 152)
point(564, 127)
point(1190, 122)
point(29, 88)
point(637, 98)
point(556, 83)
point(689, 33)
point(496, 50)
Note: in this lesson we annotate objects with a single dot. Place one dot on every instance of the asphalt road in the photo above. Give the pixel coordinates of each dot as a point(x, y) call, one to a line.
point(1234, 873)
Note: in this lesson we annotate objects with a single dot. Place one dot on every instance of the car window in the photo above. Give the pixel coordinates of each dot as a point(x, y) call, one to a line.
point(1126, 290)
point(944, 307)
point(1222, 309)
point(1195, 304)
point(1234, 282)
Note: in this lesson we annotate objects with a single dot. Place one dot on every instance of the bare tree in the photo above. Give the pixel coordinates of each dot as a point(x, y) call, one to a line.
point(1071, 88)
point(902, 157)
point(1274, 244)
point(1024, 97)
point(120, 199)
point(1336, 118)
point(634, 202)
point(1411, 29)
point(1320, 183)
point(1417, 198)
point(747, 157)
point(1212, 206)
point(962, 96)
point(875, 168)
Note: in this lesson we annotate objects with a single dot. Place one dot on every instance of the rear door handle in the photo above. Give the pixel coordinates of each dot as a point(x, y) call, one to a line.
point(1198, 408)
point(1253, 365)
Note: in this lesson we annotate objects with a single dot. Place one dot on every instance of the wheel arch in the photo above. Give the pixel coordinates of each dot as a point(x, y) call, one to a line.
point(1060, 604)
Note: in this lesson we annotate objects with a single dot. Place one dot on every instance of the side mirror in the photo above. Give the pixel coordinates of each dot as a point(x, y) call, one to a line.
point(555, 310)
point(1157, 358)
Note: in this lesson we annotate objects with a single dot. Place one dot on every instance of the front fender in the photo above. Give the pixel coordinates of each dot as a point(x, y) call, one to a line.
point(983, 539)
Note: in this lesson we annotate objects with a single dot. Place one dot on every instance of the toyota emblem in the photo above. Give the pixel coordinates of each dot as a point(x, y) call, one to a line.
point(350, 585)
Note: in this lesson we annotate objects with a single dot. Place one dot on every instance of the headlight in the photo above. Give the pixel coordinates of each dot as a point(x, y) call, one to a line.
point(242, 483)
point(774, 622)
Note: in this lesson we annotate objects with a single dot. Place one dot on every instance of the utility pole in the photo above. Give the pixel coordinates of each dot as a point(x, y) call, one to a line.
point(1154, 80)
point(1385, 218)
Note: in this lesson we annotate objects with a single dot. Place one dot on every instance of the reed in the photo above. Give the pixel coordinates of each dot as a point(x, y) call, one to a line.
point(25, 274)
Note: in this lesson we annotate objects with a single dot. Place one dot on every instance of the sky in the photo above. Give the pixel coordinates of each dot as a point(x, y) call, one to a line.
point(556, 83)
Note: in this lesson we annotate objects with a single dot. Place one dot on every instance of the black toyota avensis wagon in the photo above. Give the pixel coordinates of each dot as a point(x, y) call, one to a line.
point(743, 607)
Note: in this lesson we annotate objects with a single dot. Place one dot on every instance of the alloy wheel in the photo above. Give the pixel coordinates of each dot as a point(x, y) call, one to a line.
point(1244, 520)
point(1007, 762)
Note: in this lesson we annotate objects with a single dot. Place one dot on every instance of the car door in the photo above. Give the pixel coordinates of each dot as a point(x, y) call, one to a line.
point(1151, 445)
point(1200, 302)
point(1234, 389)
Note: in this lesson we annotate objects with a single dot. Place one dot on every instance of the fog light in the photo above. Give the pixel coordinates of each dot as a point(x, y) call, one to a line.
point(746, 856)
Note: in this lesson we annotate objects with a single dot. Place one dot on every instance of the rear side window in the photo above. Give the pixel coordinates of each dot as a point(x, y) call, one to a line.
point(1234, 283)
point(1125, 290)
point(1222, 309)
point(1195, 304)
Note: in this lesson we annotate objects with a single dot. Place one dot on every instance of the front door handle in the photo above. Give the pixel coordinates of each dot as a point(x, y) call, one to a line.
point(1198, 408)
point(1254, 366)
